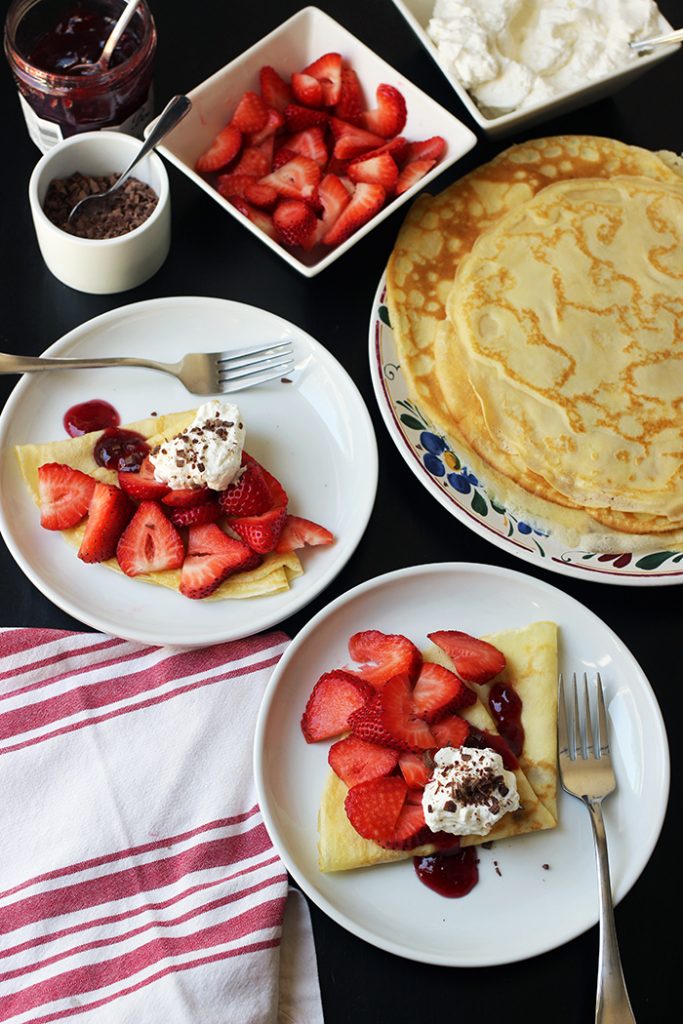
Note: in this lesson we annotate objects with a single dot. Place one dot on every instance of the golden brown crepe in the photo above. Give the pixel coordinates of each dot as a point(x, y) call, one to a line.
point(272, 576)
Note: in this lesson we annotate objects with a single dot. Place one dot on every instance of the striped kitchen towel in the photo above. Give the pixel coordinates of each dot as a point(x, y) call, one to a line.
point(138, 884)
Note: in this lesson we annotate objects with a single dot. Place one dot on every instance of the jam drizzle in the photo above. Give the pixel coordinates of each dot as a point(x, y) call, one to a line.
point(452, 875)
point(85, 417)
point(120, 450)
point(506, 707)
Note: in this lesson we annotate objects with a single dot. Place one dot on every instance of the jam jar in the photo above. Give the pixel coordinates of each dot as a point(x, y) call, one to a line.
point(45, 40)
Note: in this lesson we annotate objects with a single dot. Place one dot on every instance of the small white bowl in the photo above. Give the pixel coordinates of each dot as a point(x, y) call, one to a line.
point(292, 46)
point(107, 265)
point(418, 14)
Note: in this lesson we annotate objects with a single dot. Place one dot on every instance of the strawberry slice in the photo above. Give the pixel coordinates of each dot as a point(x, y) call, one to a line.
point(278, 495)
point(335, 696)
point(211, 557)
point(352, 141)
point(259, 218)
point(255, 160)
point(373, 807)
point(397, 147)
point(328, 72)
point(150, 543)
point(262, 196)
point(366, 723)
point(410, 830)
point(274, 90)
point(273, 123)
point(143, 486)
point(186, 497)
point(64, 494)
point(412, 173)
point(298, 533)
point(307, 90)
point(249, 496)
point(481, 738)
point(295, 222)
point(354, 760)
point(414, 769)
point(383, 655)
point(398, 718)
point(475, 661)
point(333, 197)
point(196, 515)
point(310, 143)
point(378, 170)
point(251, 114)
point(283, 156)
point(297, 179)
point(427, 149)
point(351, 102)
point(438, 692)
point(109, 513)
point(451, 732)
point(366, 201)
point(222, 150)
point(261, 532)
point(298, 118)
point(390, 116)
point(233, 184)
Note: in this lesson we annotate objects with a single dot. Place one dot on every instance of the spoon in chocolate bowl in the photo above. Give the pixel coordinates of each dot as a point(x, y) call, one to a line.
point(102, 62)
point(172, 114)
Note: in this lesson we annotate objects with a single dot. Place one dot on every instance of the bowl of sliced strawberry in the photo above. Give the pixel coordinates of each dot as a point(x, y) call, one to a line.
point(310, 139)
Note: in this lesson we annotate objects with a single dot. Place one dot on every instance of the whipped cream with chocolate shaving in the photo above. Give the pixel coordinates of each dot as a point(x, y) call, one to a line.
point(469, 791)
point(208, 453)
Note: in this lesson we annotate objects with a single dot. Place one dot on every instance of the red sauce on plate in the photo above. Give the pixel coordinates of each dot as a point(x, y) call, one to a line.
point(505, 706)
point(96, 414)
point(120, 450)
point(450, 874)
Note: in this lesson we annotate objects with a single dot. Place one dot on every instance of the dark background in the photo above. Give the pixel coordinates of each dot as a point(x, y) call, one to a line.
point(212, 254)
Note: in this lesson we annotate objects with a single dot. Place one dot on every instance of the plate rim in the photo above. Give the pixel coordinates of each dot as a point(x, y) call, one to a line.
point(609, 576)
point(625, 884)
point(269, 619)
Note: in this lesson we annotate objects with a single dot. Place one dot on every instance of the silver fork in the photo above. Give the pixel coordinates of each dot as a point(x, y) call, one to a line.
point(202, 373)
point(586, 772)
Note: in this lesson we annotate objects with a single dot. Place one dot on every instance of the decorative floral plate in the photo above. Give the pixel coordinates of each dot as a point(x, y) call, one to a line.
point(439, 466)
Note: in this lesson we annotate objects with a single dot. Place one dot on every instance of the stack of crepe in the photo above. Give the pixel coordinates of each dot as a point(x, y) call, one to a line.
point(537, 306)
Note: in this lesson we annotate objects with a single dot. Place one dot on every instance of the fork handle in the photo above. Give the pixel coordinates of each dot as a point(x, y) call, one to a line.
point(612, 1002)
point(29, 364)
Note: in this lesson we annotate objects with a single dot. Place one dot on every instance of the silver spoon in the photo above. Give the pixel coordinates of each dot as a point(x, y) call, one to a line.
point(649, 44)
point(102, 63)
point(172, 114)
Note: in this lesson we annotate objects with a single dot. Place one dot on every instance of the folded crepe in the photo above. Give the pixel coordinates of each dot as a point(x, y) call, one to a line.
point(531, 667)
point(272, 576)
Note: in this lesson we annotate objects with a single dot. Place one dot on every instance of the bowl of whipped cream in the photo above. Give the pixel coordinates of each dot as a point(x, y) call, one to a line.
point(519, 62)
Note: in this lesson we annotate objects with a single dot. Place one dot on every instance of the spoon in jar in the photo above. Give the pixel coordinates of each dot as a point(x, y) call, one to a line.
point(643, 45)
point(174, 111)
point(102, 62)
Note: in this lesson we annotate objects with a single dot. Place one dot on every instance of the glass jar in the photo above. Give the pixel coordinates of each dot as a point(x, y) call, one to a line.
point(45, 39)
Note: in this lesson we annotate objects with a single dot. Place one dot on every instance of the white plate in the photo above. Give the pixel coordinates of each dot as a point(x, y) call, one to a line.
point(527, 909)
point(314, 434)
point(444, 472)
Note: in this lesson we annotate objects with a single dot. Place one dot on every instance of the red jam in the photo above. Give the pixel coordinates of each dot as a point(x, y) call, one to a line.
point(78, 38)
point(120, 450)
point(505, 706)
point(87, 416)
point(452, 874)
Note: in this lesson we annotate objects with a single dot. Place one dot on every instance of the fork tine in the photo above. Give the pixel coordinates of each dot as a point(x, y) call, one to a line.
point(254, 359)
point(225, 376)
point(241, 383)
point(562, 734)
point(603, 735)
point(588, 725)
point(251, 350)
point(578, 738)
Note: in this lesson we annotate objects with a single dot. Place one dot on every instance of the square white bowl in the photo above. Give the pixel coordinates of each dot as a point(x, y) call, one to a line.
point(418, 13)
point(296, 43)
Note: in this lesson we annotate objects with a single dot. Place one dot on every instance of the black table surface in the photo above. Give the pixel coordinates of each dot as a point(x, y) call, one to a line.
point(211, 254)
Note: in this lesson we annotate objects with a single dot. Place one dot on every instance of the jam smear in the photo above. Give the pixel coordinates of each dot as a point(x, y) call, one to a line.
point(95, 414)
point(480, 738)
point(451, 875)
point(506, 707)
point(79, 38)
point(120, 450)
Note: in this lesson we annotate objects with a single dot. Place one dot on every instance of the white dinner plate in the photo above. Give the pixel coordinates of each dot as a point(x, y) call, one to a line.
point(443, 470)
point(314, 434)
point(527, 908)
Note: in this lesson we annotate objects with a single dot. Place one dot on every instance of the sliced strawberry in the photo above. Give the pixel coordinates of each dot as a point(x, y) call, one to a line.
point(410, 830)
point(333, 197)
point(452, 731)
point(274, 122)
point(399, 719)
point(263, 196)
point(390, 116)
point(412, 173)
point(373, 807)
point(295, 222)
point(298, 118)
point(378, 170)
point(261, 532)
point(254, 160)
point(365, 202)
point(233, 184)
point(143, 486)
point(266, 149)
point(307, 90)
point(414, 769)
point(481, 738)
point(64, 494)
point(366, 723)
point(354, 760)
point(274, 90)
point(251, 114)
point(196, 515)
point(109, 513)
point(351, 102)
point(186, 497)
point(211, 557)
point(383, 655)
point(283, 156)
point(328, 71)
point(310, 143)
point(397, 147)
point(278, 495)
point(298, 533)
point(259, 218)
point(352, 141)
point(427, 149)
point(150, 543)
point(475, 661)
point(335, 696)
point(222, 150)
point(249, 496)
point(297, 179)
point(438, 692)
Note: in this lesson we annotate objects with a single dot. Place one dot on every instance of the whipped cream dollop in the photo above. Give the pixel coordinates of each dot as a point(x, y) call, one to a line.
point(514, 54)
point(469, 791)
point(207, 453)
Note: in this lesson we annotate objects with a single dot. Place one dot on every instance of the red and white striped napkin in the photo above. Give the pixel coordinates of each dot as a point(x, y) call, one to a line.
point(138, 884)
